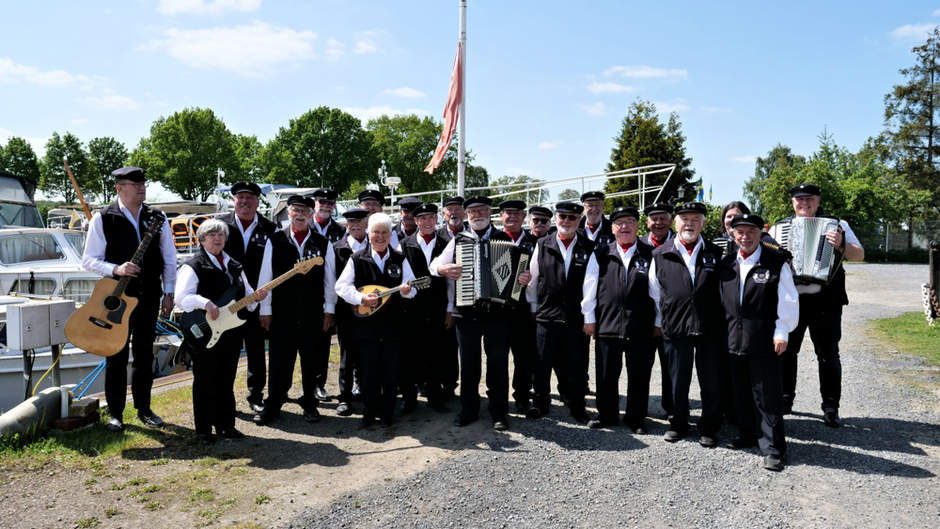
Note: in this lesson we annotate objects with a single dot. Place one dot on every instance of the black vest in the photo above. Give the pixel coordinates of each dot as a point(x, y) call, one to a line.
point(832, 295)
point(429, 305)
point(527, 241)
point(213, 283)
point(751, 322)
point(606, 235)
point(298, 302)
point(390, 323)
point(624, 307)
point(341, 254)
point(235, 246)
point(560, 297)
point(689, 311)
point(334, 231)
point(122, 243)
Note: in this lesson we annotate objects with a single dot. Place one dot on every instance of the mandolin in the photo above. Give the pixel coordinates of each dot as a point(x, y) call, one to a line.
point(383, 293)
point(202, 333)
point(102, 325)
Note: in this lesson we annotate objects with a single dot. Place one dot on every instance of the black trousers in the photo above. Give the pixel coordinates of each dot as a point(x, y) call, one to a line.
point(348, 360)
point(524, 353)
point(611, 354)
point(214, 390)
point(825, 330)
point(563, 343)
point(254, 351)
point(424, 364)
point(321, 357)
point(380, 363)
point(143, 329)
point(451, 360)
point(287, 343)
point(681, 353)
point(758, 391)
point(658, 348)
point(494, 335)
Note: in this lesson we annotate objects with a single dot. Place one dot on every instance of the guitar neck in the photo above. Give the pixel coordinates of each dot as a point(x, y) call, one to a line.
point(138, 257)
point(251, 298)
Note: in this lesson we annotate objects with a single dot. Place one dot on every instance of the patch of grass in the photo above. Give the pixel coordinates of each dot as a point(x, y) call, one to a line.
point(910, 334)
point(202, 495)
point(111, 512)
point(133, 482)
point(90, 481)
point(153, 506)
point(239, 470)
point(87, 522)
point(152, 488)
point(209, 515)
point(158, 462)
point(208, 462)
point(264, 498)
point(117, 486)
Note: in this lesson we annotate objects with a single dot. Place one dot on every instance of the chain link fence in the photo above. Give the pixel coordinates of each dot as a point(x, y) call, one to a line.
point(901, 242)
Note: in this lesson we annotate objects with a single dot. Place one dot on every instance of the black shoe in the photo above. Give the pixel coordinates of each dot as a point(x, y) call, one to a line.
point(385, 423)
point(831, 418)
point(364, 423)
point(597, 424)
point(150, 419)
point(205, 439)
point(256, 404)
point(739, 443)
point(421, 388)
point(708, 441)
point(266, 416)
point(439, 407)
point(639, 430)
point(322, 395)
point(773, 463)
point(115, 424)
point(408, 406)
point(673, 436)
point(500, 424)
point(465, 419)
point(231, 433)
point(788, 408)
point(580, 415)
point(523, 405)
point(344, 409)
point(312, 415)
point(533, 413)
point(448, 395)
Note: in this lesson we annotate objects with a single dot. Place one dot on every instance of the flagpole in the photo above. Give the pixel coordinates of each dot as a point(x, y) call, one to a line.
point(462, 112)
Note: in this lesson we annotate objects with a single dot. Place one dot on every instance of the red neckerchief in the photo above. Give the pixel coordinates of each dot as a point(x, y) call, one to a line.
point(299, 236)
point(657, 244)
point(427, 238)
point(382, 253)
point(323, 223)
point(516, 237)
point(566, 242)
point(626, 247)
point(409, 232)
point(744, 255)
point(452, 232)
point(592, 227)
point(245, 223)
point(221, 259)
point(690, 247)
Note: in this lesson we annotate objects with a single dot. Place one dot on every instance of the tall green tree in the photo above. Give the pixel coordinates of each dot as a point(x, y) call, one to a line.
point(912, 120)
point(520, 192)
point(474, 176)
point(18, 158)
point(324, 147)
point(185, 151)
point(569, 195)
point(407, 143)
point(779, 157)
point(106, 154)
point(55, 181)
point(248, 152)
point(645, 140)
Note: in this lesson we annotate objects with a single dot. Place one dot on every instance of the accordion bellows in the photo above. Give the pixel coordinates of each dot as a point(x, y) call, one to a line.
point(815, 260)
point(490, 271)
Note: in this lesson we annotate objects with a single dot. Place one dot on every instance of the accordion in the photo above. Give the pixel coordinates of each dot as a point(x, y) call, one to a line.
point(490, 271)
point(815, 260)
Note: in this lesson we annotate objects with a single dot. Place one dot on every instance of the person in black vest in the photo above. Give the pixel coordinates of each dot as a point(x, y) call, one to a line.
point(659, 223)
point(619, 314)
point(540, 220)
point(324, 200)
point(206, 277)
point(820, 311)
point(407, 226)
point(302, 309)
point(761, 309)
point(426, 315)
point(685, 290)
point(248, 242)
point(380, 335)
point(355, 240)
point(114, 234)
point(593, 224)
point(521, 326)
point(558, 267)
point(454, 223)
point(483, 321)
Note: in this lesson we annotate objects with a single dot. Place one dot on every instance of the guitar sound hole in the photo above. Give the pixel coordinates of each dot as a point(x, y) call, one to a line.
point(112, 302)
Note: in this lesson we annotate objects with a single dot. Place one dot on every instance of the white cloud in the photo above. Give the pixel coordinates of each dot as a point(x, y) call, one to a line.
point(201, 7)
point(113, 102)
point(78, 121)
point(743, 159)
point(913, 31)
point(11, 71)
point(667, 107)
point(335, 50)
point(250, 51)
point(550, 144)
point(597, 109)
point(404, 91)
point(646, 72)
point(38, 144)
point(365, 114)
point(600, 88)
point(365, 43)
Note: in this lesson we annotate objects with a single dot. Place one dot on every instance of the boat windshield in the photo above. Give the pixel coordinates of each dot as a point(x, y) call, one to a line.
point(28, 247)
point(19, 215)
point(77, 241)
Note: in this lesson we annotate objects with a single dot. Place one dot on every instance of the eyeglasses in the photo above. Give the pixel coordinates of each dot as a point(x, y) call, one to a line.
point(136, 185)
point(536, 220)
point(624, 223)
point(563, 216)
point(326, 202)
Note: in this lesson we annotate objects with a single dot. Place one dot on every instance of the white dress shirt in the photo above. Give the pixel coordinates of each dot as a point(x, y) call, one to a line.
point(591, 277)
point(656, 288)
point(346, 284)
point(95, 243)
point(186, 297)
point(532, 289)
point(788, 300)
point(329, 274)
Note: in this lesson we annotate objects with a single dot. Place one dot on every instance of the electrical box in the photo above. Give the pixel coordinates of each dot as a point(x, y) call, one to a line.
point(59, 312)
point(28, 325)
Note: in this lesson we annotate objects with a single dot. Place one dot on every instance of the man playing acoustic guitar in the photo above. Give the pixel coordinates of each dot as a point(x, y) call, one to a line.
point(114, 234)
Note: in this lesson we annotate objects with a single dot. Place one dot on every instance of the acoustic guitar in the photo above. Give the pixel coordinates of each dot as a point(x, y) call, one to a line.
point(202, 333)
point(102, 325)
point(383, 293)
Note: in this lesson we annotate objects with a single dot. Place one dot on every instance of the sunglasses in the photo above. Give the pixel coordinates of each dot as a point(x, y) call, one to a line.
point(326, 202)
point(564, 216)
point(535, 220)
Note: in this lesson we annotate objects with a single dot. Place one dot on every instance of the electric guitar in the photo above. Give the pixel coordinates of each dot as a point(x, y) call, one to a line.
point(202, 333)
point(102, 325)
point(363, 311)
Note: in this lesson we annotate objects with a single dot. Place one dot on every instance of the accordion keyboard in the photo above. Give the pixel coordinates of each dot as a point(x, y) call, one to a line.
point(469, 275)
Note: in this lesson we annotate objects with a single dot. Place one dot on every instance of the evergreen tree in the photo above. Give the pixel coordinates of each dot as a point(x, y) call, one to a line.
point(18, 158)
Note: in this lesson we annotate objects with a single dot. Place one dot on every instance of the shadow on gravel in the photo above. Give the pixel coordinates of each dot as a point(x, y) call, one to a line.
point(819, 455)
point(874, 434)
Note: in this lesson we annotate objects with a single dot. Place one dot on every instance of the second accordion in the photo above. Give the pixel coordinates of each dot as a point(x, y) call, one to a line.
point(490, 271)
point(815, 260)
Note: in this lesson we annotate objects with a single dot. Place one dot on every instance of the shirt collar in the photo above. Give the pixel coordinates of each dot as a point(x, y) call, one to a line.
point(752, 259)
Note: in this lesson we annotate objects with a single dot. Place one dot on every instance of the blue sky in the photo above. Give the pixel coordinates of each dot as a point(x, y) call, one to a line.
point(547, 82)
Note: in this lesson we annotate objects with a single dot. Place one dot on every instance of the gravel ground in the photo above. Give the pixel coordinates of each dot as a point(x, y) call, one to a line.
point(879, 470)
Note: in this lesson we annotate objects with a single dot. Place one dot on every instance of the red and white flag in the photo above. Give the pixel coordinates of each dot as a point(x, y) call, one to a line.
point(454, 98)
